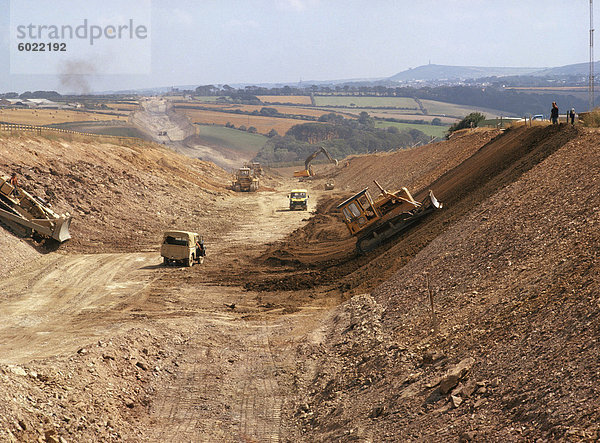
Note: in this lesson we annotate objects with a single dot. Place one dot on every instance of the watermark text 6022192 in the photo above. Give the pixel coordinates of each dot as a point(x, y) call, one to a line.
point(94, 37)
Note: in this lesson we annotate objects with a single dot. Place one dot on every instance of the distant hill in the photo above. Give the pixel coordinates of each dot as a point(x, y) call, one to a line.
point(577, 69)
point(438, 74)
point(445, 72)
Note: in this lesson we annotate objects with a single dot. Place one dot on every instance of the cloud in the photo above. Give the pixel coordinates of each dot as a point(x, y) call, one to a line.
point(296, 5)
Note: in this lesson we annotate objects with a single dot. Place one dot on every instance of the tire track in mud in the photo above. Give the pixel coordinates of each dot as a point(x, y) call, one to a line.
point(262, 397)
point(233, 381)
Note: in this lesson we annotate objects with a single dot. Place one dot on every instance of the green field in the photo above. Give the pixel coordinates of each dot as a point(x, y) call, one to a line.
point(178, 99)
point(431, 130)
point(458, 111)
point(103, 129)
point(234, 139)
point(365, 102)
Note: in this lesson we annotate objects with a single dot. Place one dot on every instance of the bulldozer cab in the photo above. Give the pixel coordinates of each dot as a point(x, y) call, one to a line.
point(359, 211)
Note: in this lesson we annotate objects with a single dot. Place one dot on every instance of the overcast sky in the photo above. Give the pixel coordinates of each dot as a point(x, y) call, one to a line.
point(267, 41)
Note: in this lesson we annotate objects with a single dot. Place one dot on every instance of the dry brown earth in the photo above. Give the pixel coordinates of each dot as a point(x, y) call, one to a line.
point(251, 346)
point(515, 285)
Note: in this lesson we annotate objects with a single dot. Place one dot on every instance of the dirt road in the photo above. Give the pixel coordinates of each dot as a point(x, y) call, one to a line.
point(236, 366)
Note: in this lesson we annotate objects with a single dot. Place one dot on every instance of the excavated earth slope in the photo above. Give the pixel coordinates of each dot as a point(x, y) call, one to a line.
point(510, 351)
point(121, 197)
point(462, 173)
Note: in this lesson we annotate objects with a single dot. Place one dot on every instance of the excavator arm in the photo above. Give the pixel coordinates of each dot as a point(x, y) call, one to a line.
point(312, 156)
point(307, 171)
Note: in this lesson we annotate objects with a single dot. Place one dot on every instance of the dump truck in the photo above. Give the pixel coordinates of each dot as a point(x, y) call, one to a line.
point(372, 222)
point(182, 247)
point(30, 216)
point(298, 199)
point(307, 171)
point(245, 181)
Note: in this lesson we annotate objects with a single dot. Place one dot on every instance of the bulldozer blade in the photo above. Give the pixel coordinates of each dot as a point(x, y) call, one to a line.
point(61, 229)
point(433, 200)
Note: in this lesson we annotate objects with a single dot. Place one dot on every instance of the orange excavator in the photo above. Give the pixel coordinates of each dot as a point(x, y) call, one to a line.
point(307, 171)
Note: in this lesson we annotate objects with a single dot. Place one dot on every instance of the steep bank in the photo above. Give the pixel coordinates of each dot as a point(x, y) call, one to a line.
point(515, 286)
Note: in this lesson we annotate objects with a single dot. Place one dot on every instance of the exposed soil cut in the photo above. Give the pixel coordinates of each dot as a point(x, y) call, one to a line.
point(515, 287)
point(100, 342)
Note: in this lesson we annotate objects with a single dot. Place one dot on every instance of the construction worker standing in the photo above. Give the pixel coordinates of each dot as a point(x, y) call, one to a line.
point(554, 113)
point(14, 181)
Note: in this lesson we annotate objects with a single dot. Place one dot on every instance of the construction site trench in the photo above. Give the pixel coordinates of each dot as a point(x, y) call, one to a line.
point(275, 336)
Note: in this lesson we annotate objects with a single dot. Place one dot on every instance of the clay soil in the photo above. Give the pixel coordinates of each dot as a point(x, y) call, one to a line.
point(285, 333)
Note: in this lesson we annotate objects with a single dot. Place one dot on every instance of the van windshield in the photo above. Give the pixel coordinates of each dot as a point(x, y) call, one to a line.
point(298, 194)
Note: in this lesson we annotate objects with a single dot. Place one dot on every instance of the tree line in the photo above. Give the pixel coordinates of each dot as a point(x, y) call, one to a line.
point(341, 137)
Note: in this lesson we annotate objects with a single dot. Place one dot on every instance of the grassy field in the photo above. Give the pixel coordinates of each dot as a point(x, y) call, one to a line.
point(124, 106)
point(283, 109)
point(120, 130)
point(458, 111)
point(296, 99)
point(262, 124)
point(366, 102)
point(48, 116)
point(231, 138)
point(203, 99)
point(435, 131)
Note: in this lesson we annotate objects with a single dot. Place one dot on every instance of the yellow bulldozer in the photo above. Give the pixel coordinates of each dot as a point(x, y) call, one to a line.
point(245, 180)
point(374, 221)
point(30, 216)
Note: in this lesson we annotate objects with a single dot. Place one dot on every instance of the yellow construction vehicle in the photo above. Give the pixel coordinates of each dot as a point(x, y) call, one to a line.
point(245, 181)
point(298, 199)
point(373, 222)
point(307, 171)
point(255, 167)
point(30, 216)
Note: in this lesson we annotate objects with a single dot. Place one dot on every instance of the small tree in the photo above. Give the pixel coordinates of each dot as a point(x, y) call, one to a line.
point(252, 130)
point(436, 121)
point(470, 121)
point(365, 119)
point(272, 133)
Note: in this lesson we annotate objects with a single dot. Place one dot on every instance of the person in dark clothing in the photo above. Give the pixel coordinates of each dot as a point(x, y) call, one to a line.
point(554, 113)
point(572, 115)
point(14, 181)
point(200, 250)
